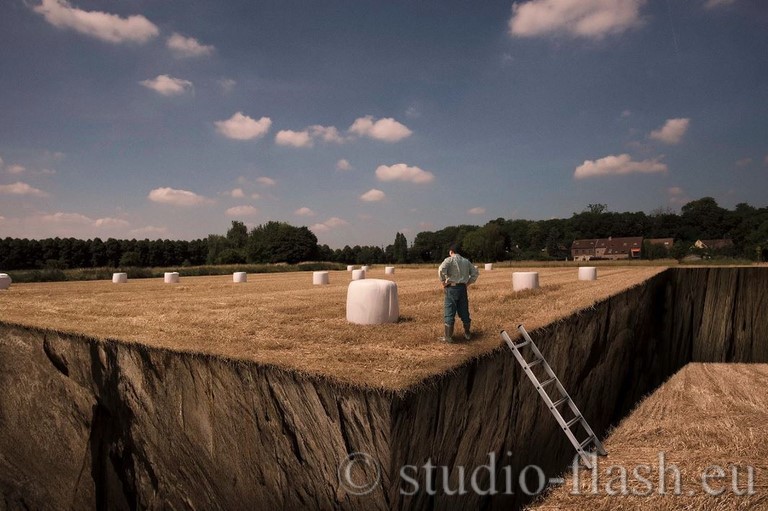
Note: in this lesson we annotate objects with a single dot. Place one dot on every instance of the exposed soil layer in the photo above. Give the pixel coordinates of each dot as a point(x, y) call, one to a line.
point(94, 424)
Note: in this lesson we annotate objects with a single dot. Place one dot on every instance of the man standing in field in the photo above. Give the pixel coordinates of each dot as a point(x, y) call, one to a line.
point(456, 273)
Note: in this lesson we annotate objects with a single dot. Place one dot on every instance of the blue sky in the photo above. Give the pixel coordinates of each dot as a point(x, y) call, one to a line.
point(359, 119)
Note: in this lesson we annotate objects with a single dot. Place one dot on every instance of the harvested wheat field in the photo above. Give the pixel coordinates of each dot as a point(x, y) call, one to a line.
point(283, 320)
point(707, 426)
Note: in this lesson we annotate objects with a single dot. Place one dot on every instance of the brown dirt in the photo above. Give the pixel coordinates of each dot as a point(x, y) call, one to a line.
point(706, 415)
point(282, 319)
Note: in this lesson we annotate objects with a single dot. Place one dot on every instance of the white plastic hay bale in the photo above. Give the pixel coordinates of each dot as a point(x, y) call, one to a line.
point(365, 268)
point(5, 281)
point(358, 274)
point(588, 273)
point(525, 280)
point(319, 278)
point(372, 302)
point(350, 267)
point(171, 277)
point(239, 277)
point(488, 266)
point(119, 278)
point(389, 270)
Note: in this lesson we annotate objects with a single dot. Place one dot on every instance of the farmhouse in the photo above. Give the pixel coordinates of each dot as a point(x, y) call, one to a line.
point(713, 244)
point(607, 248)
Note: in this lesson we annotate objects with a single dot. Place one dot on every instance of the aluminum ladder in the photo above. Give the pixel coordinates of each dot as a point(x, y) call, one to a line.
point(554, 406)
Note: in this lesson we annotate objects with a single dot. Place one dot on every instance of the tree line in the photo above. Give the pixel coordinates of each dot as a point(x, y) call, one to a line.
point(497, 240)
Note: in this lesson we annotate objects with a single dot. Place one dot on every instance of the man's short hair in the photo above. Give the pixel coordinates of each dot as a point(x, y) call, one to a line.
point(453, 247)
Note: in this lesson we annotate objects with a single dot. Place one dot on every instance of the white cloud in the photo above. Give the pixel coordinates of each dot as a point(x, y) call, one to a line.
point(677, 196)
point(672, 132)
point(19, 188)
point(326, 133)
point(402, 172)
point(1, 163)
point(713, 4)
point(293, 138)
point(110, 222)
point(476, 211)
point(15, 168)
point(372, 195)
point(592, 19)
point(101, 25)
point(177, 197)
point(617, 165)
point(255, 196)
point(304, 212)
point(242, 211)
point(266, 181)
point(183, 47)
point(388, 129)
point(227, 85)
point(149, 230)
point(329, 224)
point(67, 218)
point(167, 85)
point(744, 162)
point(237, 193)
point(242, 127)
point(344, 165)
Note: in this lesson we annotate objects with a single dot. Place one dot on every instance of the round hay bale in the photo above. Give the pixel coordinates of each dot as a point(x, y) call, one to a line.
point(525, 280)
point(5, 281)
point(171, 277)
point(588, 273)
point(239, 277)
point(350, 267)
point(358, 274)
point(389, 270)
point(372, 302)
point(488, 266)
point(119, 278)
point(319, 278)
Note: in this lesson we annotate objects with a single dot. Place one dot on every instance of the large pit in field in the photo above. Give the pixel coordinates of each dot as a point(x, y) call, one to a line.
point(89, 422)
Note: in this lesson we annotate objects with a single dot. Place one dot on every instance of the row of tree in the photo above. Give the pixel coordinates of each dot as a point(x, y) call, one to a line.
point(497, 240)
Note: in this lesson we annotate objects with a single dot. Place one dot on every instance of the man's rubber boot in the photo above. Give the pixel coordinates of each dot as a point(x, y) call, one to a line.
point(467, 334)
point(448, 337)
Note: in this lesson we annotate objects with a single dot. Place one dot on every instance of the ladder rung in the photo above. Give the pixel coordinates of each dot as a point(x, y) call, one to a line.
point(522, 344)
point(573, 421)
point(535, 362)
point(559, 402)
point(586, 442)
point(547, 382)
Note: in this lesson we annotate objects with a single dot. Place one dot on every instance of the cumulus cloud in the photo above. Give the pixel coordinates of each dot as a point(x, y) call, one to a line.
point(326, 134)
point(307, 136)
point(237, 193)
point(591, 19)
point(329, 224)
point(66, 218)
point(617, 165)
point(15, 168)
point(403, 172)
point(185, 47)
point(242, 211)
point(304, 212)
point(19, 188)
point(387, 129)
point(343, 165)
point(177, 197)
point(293, 138)
point(110, 222)
point(242, 127)
point(372, 195)
point(101, 25)
point(167, 85)
point(677, 196)
point(476, 211)
point(672, 132)
point(266, 181)
point(227, 85)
